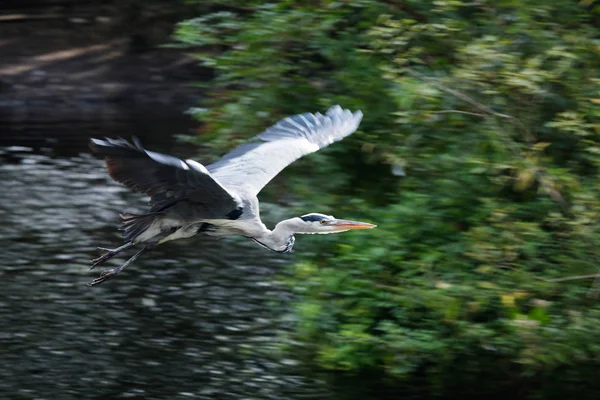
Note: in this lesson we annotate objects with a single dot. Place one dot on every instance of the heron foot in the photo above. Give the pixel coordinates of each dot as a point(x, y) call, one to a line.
point(104, 276)
point(111, 273)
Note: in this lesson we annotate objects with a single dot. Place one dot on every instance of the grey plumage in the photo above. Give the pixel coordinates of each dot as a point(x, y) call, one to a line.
point(187, 198)
point(164, 178)
point(252, 165)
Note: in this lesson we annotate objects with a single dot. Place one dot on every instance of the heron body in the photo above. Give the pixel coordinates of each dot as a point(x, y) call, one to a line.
point(187, 198)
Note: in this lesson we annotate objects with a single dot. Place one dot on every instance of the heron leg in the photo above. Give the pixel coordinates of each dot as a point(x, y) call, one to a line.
point(111, 273)
point(110, 253)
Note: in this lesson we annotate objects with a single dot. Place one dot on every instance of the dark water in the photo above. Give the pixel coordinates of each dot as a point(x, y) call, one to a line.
point(192, 319)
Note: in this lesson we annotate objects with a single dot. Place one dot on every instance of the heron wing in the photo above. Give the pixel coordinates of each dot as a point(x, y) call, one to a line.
point(166, 179)
point(252, 165)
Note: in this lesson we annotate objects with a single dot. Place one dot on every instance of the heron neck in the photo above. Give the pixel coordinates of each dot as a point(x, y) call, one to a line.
point(281, 239)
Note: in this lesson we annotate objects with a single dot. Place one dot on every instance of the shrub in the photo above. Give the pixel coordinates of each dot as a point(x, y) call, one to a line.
point(478, 158)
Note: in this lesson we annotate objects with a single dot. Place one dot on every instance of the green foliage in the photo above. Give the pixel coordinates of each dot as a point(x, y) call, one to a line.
point(493, 111)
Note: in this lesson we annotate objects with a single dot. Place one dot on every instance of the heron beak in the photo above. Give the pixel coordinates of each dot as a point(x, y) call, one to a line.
point(345, 225)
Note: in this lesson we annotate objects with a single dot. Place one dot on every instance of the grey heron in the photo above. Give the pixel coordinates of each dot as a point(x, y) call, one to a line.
point(187, 198)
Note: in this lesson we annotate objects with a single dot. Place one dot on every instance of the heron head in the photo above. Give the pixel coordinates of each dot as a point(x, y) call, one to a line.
point(322, 224)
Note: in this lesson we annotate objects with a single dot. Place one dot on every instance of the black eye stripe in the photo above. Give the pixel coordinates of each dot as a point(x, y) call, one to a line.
point(312, 218)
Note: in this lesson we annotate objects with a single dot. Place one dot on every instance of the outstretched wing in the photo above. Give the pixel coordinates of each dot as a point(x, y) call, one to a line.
point(166, 179)
point(251, 166)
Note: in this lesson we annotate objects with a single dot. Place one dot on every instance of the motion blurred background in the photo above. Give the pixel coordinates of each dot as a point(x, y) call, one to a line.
point(477, 157)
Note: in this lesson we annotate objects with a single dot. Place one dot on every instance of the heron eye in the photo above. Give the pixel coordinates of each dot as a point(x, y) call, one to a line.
point(323, 221)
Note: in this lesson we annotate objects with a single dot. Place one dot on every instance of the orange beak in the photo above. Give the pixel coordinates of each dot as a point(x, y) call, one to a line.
point(345, 225)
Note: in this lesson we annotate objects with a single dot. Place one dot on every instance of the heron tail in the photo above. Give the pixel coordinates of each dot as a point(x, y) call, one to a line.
point(135, 225)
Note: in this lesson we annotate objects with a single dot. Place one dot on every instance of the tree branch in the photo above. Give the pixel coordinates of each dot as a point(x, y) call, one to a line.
point(483, 108)
point(574, 278)
point(460, 112)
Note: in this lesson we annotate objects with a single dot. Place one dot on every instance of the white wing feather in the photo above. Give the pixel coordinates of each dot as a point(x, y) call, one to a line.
point(251, 166)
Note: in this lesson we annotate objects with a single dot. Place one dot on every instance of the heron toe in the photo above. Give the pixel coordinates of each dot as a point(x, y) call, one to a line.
point(104, 276)
point(110, 253)
point(105, 257)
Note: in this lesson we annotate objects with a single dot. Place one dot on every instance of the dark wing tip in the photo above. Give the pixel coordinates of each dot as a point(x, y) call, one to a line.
point(95, 145)
point(116, 147)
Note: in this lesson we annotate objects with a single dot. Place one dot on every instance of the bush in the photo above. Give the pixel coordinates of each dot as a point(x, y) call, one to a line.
point(478, 158)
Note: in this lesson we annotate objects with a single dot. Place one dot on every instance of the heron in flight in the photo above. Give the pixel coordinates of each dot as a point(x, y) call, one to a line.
point(187, 198)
